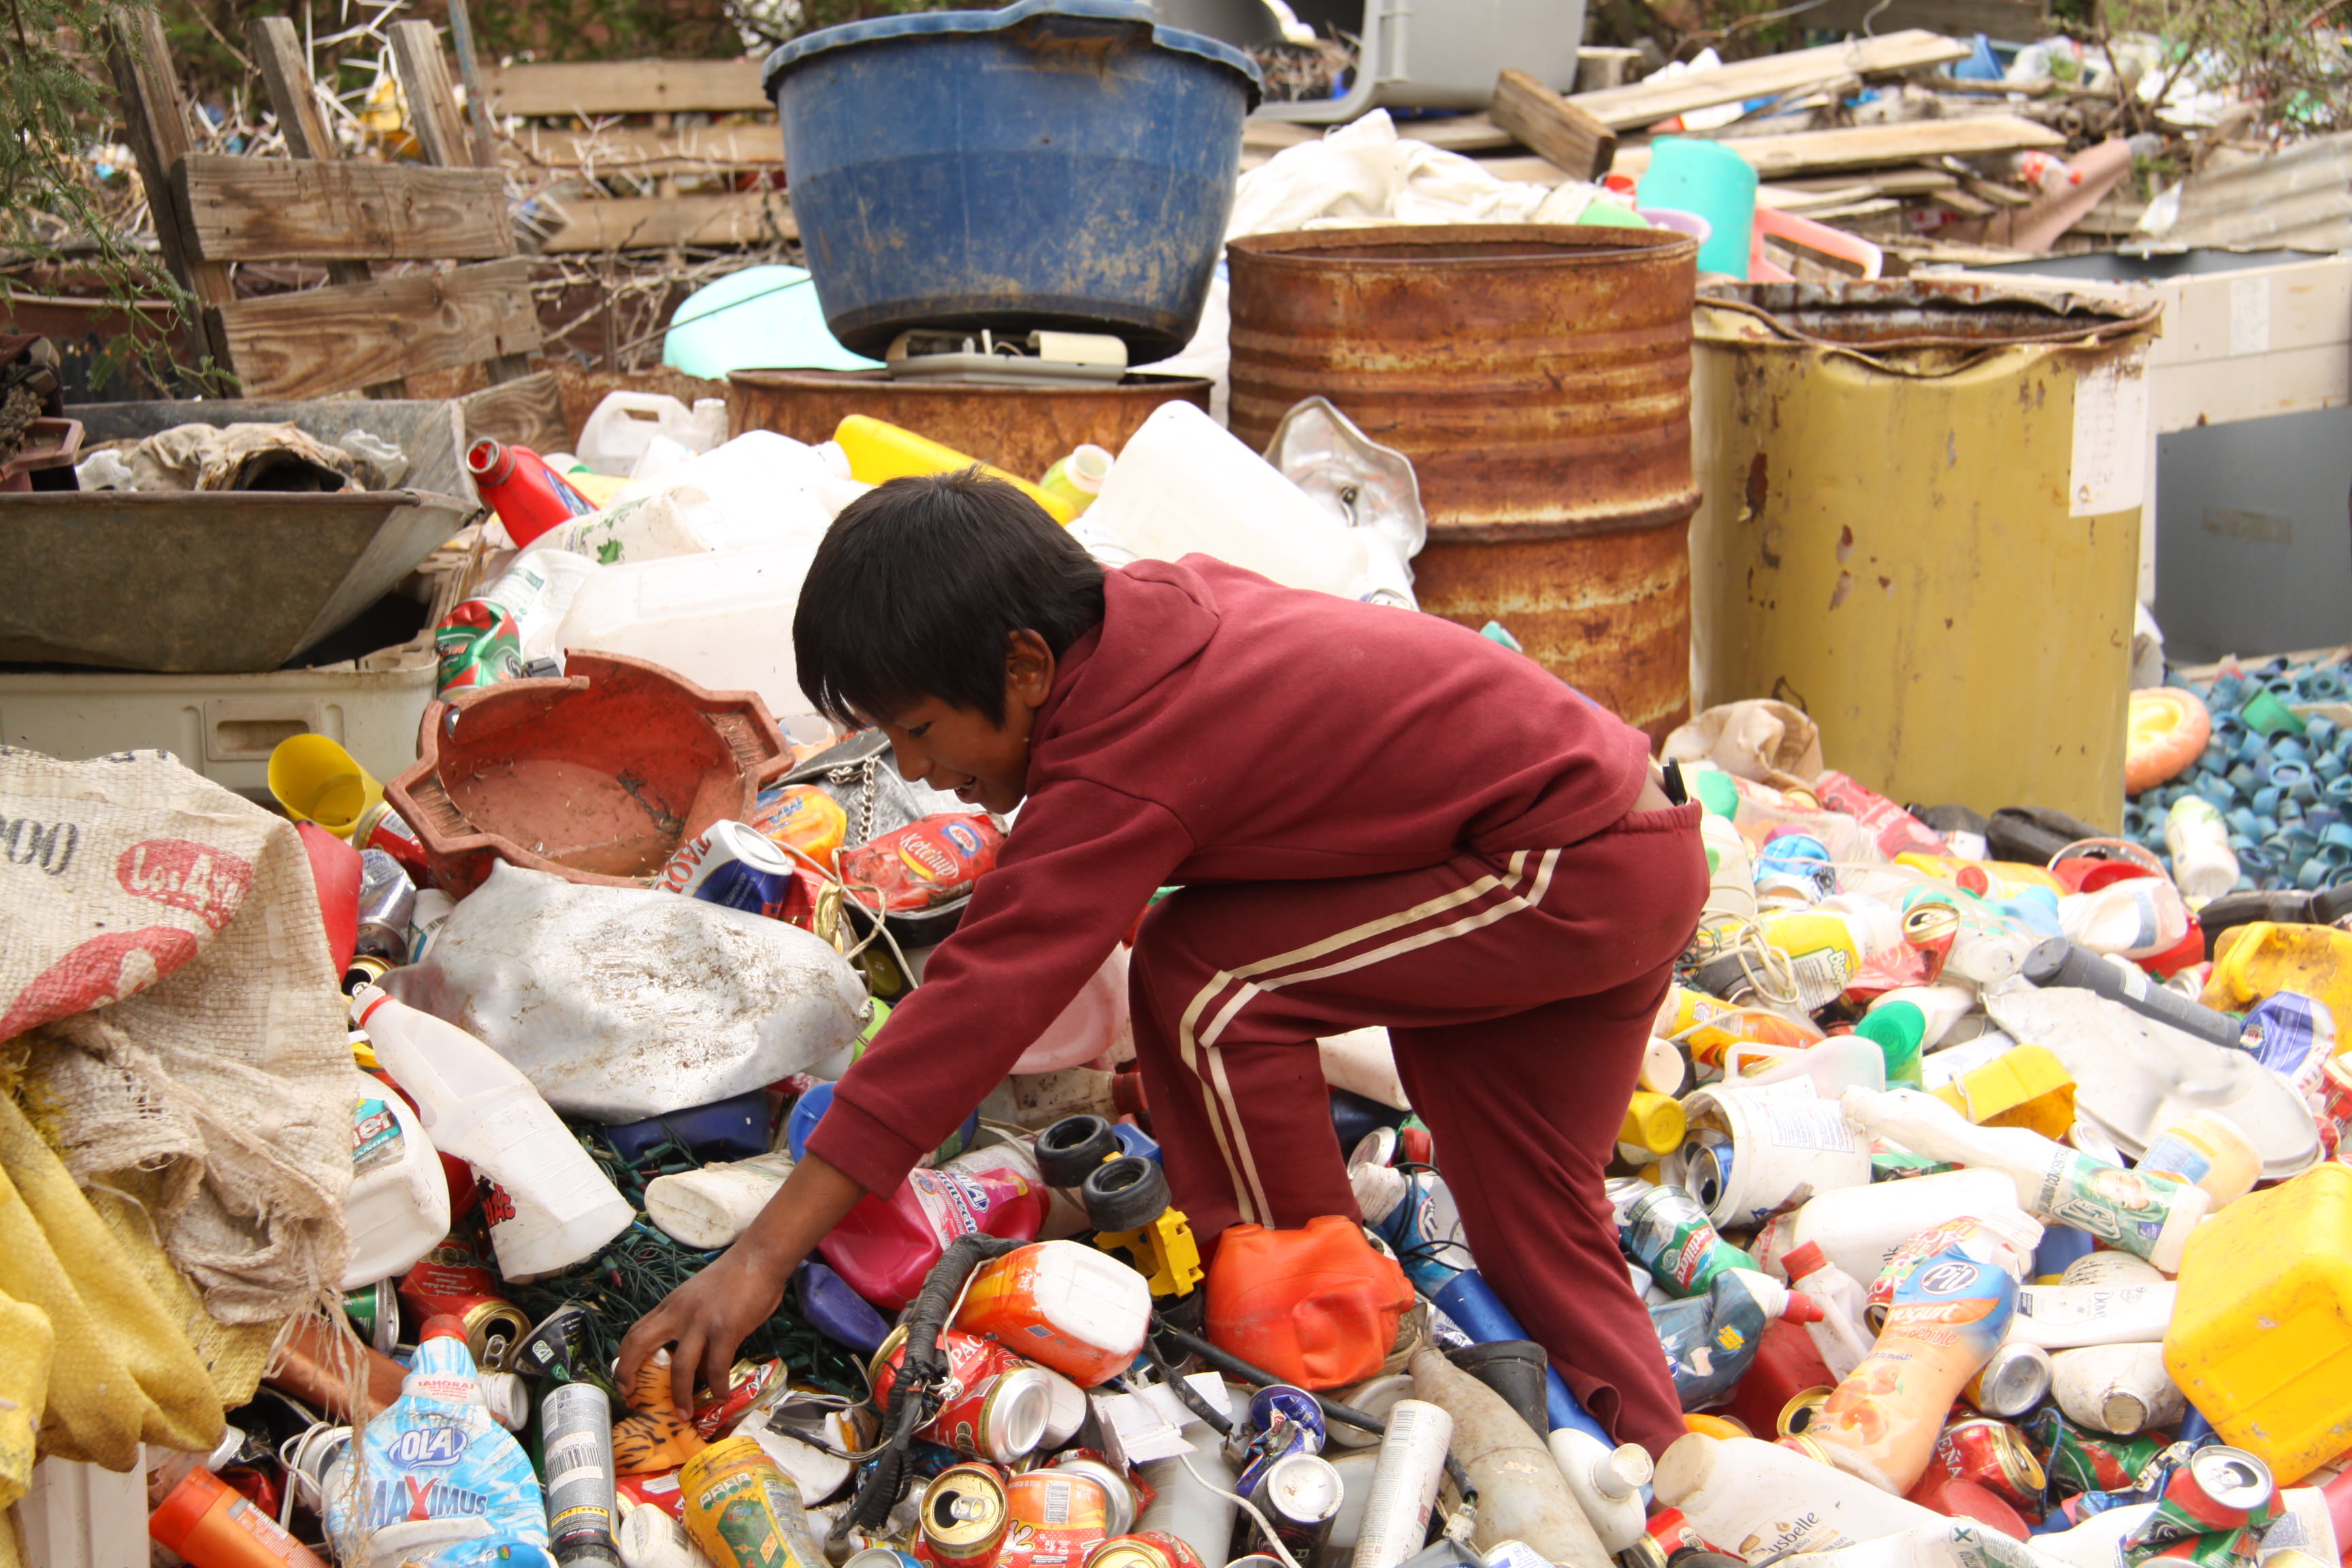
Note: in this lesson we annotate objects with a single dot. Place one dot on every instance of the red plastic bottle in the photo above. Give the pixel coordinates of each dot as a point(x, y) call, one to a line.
point(529, 497)
point(883, 1249)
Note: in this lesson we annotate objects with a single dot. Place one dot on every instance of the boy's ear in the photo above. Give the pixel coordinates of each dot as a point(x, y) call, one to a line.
point(1029, 667)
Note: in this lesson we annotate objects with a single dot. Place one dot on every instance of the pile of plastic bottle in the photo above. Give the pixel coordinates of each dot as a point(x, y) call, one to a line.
point(2277, 768)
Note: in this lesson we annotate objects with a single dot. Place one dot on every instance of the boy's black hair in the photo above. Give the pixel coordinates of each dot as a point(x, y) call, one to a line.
point(918, 584)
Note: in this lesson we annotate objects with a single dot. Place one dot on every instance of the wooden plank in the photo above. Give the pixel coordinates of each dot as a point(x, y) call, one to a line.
point(1527, 168)
point(626, 87)
point(1915, 181)
point(1460, 133)
point(657, 222)
point(155, 123)
point(329, 339)
point(1646, 104)
point(1598, 68)
point(432, 102)
point(285, 69)
point(267, 210)
point(525, 412)
point(1865, 146)
point(1555, 129)
point(641, 149)
point(433, 115)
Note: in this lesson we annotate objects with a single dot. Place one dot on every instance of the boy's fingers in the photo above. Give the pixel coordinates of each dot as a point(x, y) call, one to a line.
point(685, 1360)
point(718, 1367)
point(646, 1336)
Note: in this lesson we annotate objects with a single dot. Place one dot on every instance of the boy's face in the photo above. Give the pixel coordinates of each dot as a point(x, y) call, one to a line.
point(960, 750)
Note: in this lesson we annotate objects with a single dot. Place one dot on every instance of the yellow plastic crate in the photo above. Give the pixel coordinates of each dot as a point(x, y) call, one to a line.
point(2262, 1330)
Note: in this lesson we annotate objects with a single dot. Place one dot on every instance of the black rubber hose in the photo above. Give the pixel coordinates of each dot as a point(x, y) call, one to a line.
point(914, 1392)
point(1233, 1366)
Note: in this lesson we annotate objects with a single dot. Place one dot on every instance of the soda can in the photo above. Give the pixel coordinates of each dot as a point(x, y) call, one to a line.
point(2014, 1382)
point(2223, 1496)
point(1287, 1419)
point(575, 1423)
point(1995, 1455)
point(751, 1386)
point(374, 1314)
point(1056, 1520)
point(1798, 1413)
point(1119, 1493)
point(994, 1406)
point(1150, 1548)
point(883, 1557)
point(380, 828)
point(731, 863)
point(963, 1516)
point(1514, 1554)
point(1300, 1493)
point(2077, 1461)
point(452, 1280)
point(743, 1512)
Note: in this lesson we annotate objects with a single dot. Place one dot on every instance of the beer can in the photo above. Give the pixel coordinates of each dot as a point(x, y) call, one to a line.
point(380, 828)
point(743, 1512)
point(1995, 1455)
point(575, 1423)
point(963, 1518)
point(1117, 1491)
point(374, 1314)
point(1150, 1548)
point(732, 864)
point(1300, 1493)
point(1057, 1519)
point(993, 1405)
point(2014, 1382)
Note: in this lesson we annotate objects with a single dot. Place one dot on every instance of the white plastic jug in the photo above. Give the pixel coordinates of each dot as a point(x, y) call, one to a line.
point(1095, 1023)
point(686, 519)
point(1183, 485)
point(1858, 1229)
point(1842, 1335)
point(1754, 1499)
point(478, 1107)
point(399, 1201)
point(626, 423)
point(1831, 1066)
point(723, 620)
point(759, 471)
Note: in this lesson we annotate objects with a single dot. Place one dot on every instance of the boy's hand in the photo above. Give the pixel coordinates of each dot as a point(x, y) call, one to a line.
point(707, 1319)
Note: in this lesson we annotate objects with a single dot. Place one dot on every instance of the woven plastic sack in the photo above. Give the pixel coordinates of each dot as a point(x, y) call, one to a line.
point(165, 950)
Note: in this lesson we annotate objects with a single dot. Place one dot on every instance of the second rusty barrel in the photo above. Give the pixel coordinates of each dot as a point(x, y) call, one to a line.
point(1538, 377)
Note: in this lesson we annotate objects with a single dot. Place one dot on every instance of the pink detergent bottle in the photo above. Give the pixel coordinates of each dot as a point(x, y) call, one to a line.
point(884, 1248)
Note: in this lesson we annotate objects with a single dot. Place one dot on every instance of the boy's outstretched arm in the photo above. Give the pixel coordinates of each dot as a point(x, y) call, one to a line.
point(709, 1316)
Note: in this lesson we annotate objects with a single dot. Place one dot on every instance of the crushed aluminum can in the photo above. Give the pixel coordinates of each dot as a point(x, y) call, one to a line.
point(731, 863)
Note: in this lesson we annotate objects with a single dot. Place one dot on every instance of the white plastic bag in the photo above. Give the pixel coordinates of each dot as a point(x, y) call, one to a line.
point(624, 1003)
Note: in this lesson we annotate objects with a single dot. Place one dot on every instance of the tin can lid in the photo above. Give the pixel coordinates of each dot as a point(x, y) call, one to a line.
point(1015, 1413)
point(1304, 1489)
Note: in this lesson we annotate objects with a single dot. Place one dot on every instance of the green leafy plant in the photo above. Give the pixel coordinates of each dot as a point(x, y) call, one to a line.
point(64, 209)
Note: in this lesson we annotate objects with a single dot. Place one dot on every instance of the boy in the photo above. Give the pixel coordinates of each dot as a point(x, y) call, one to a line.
point(1375, 816)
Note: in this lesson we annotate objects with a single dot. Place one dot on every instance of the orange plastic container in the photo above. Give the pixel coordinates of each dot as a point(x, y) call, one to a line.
point(1316, 1306)
point(1080, 1311)
point(213, 1525)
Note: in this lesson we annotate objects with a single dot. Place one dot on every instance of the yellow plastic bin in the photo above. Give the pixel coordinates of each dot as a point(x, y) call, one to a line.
point(2261, 1339)
point(1921, 525)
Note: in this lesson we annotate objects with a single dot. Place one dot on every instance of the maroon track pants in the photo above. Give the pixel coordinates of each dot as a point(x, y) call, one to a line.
point(1519, 991)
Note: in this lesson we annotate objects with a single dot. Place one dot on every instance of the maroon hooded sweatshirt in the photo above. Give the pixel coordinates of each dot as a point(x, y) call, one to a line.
point(1221, 728)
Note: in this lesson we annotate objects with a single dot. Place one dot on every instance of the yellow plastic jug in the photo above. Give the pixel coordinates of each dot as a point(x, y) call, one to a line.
point(2261, 1339)
point(879, 451)
point(2026, 1087)
point(2252, 962)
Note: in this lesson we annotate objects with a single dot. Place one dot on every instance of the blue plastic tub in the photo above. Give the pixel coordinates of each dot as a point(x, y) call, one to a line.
point(1059, 164)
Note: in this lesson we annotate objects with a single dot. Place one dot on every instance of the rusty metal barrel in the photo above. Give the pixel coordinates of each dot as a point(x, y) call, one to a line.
point(1538, 377)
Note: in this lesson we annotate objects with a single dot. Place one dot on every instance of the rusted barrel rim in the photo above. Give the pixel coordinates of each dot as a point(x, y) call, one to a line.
point(1581, 244)
point(2083, 319)
point(1671, 512)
